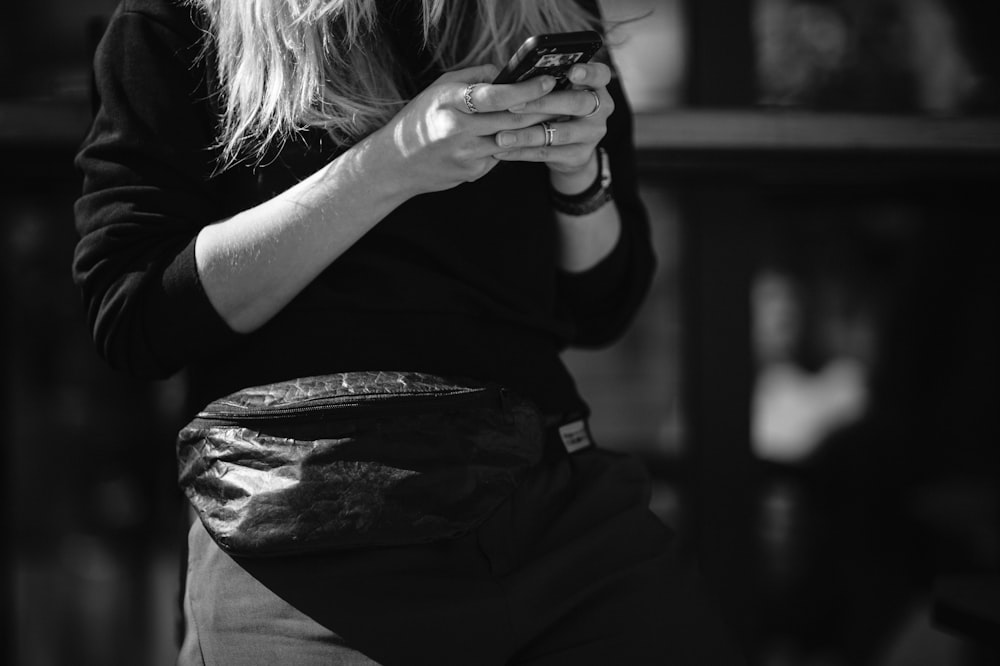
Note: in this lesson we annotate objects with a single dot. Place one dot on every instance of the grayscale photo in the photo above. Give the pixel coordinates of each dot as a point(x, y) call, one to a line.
point(500, 332)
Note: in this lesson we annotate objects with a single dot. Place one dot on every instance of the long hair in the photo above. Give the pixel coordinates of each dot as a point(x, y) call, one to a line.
point(286, 65)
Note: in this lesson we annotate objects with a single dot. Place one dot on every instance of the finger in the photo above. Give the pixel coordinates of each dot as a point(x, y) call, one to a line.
point(489, 124)
point(574, 155)
point(591, 74)
point(487, 98)
point(558, 134)
point(502, 120)
point(482, 148)
point(581, 103)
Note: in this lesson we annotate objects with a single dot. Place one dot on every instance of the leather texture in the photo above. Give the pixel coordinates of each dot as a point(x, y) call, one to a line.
point(353, 460)
point(341, 385)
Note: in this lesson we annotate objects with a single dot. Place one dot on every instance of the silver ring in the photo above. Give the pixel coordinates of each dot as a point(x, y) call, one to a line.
point(550, 134)
point(468, 98)
point(597, 102)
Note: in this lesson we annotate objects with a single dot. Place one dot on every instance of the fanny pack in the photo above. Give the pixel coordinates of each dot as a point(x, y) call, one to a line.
point(354, 460)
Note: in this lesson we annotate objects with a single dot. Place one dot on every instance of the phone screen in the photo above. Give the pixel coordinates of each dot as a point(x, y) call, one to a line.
point(554, 64)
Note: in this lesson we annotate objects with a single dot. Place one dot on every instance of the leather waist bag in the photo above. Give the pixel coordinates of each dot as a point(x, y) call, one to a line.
point(353, 460)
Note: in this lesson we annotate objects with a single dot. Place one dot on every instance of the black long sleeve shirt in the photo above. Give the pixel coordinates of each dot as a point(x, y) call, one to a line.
point(462, 282)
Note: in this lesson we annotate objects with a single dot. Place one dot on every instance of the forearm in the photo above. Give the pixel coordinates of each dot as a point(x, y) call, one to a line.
point(252, 264)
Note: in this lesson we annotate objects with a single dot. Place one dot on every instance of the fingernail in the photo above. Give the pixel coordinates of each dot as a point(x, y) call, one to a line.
point(517, 108)
point(505, 139)
point(548, 83)
point(577, 74)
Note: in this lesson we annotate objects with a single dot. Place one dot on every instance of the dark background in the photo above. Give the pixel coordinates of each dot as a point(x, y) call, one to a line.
point(813, 381)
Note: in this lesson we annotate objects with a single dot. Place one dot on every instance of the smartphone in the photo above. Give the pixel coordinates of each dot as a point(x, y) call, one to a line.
point(551, 54)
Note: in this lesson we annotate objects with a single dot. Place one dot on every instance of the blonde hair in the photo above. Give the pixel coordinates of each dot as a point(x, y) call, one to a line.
point(286, 65)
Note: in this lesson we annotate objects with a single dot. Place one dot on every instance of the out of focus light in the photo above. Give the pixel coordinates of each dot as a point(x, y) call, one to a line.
point(650, 51)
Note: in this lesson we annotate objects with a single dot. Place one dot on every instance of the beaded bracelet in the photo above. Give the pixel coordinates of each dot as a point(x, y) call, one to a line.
point(591, 199)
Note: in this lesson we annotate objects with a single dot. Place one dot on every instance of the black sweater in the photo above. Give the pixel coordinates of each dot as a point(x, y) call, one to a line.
point(461, 282)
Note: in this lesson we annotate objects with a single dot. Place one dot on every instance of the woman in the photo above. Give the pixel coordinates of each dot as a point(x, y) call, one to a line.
point(285, 188)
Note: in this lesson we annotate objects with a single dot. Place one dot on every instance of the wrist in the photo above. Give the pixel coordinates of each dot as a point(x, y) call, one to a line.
point(576, 181)
point(590, 199)
point(385, 169)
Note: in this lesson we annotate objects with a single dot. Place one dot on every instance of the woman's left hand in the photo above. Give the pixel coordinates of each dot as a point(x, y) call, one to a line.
point(576, 120)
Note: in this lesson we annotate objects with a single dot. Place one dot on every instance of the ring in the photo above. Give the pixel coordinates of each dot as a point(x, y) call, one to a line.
point(550, 134)
point(468, 98)
point(597, 102)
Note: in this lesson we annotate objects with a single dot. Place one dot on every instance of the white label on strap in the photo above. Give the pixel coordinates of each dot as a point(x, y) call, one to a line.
point(575, 436)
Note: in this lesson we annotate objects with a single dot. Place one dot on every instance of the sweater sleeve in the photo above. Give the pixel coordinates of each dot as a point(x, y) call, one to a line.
point(146, 194)
point(602, 301)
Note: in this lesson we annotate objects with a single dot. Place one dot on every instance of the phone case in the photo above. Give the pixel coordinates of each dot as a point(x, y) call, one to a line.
point(551, 54)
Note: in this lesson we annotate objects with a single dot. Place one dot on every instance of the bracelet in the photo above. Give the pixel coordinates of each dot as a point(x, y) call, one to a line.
point(591, 199)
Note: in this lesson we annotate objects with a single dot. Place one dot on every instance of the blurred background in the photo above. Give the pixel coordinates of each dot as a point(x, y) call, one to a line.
point(813, 382)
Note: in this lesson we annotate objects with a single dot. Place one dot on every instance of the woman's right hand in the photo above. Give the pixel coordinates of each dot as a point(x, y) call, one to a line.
point(437, 141)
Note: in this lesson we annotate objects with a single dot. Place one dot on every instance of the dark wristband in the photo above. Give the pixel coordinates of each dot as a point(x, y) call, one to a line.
point(591, 199)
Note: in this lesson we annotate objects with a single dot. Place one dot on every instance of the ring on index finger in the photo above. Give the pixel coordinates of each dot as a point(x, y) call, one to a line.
point(597, 103)
point(468, 98)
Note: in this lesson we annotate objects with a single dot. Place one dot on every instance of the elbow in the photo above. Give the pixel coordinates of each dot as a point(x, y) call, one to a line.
point(132, 359)
point(124, 342)
point(601, 333)
point(606, 326)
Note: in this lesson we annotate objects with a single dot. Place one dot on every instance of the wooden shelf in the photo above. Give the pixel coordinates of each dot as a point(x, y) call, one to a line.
point(777, 130)
point(800, 148)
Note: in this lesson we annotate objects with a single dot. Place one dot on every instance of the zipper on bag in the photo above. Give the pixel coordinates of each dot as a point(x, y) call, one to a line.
point(368, 404)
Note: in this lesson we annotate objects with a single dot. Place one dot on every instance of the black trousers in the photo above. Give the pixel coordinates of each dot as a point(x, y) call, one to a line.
point(572, 569)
